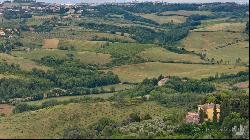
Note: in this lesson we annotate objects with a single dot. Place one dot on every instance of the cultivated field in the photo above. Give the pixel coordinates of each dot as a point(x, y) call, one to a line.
point(50, 122)
point(138, 72)
point(231, 53)
point(93, 58)
point(84, 56)
point(50, 43)
point(80, 45)
point(186, 13)
point(5, 109)
point(163, 55)
point(165, 19)
point(198, 41)
point(24, 64)
point(35, 40)
point(36, 20)
point(226, 26)
point(37, 54)
point(125, 49)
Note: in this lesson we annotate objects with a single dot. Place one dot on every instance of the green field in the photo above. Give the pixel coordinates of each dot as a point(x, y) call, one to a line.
point(138, 72)
point(186, 13)
point(25, 64)
point(37, 54)
point(50, 122)
point(84, 57)
point(124, 49)
point(231, 53)
point(163, 55)
point(127, 70)
point(80, 45)
point(35, 40)
point(93, 58)
point(67, 98)
point(165, 19)
point(198, 41)
point(222, 26)
point(36, 20)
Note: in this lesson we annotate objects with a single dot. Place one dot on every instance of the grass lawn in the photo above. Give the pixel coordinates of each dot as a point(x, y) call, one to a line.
point(138, 72)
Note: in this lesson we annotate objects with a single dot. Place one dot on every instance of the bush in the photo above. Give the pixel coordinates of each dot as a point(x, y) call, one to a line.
point(23, 107)
point(50, 103)
point(73, 133)
point(99, 126)
point(135, 117)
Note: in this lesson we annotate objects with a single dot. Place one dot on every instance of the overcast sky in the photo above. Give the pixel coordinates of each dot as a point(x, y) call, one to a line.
point(175, 1)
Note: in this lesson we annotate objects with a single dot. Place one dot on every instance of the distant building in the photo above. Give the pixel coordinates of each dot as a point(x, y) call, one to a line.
point(163, 81)
point(24, 1)
point(193, 117)
point(209, 110)
point(2, 33)
point(147, 97)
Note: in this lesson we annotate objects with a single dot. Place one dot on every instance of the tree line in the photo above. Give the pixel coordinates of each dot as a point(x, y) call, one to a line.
point(68, 75)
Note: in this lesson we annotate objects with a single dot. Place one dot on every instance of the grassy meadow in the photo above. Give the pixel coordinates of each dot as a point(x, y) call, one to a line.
point(165, 19)
point(138, 72)
point(163, 55)
point(231, 53)
point(124, 49)
point(222, 26)
point(50, 43)
point(204, 41)
point(80, 45)
point(186, 13)
point(25, 64)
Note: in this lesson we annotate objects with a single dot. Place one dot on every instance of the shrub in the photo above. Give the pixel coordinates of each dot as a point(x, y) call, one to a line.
point(49, 103)
point(23, 107)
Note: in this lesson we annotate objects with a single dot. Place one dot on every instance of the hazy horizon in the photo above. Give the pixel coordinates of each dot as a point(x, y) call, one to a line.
point(171, 1)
